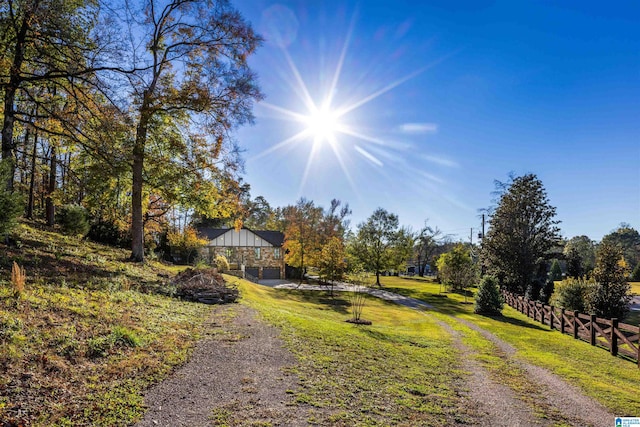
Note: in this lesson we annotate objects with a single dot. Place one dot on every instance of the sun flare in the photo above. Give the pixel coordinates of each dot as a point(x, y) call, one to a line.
point(322, 123)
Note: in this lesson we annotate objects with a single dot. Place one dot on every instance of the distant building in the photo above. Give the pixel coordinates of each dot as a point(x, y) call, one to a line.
point(259, 253)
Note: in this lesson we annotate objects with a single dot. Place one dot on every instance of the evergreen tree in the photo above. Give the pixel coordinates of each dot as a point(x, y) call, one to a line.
point(555, 273)
point(522, 231)
point(488, 298)
point(574, 263)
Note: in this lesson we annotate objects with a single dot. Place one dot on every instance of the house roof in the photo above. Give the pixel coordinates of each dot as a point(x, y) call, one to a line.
point(276, 238)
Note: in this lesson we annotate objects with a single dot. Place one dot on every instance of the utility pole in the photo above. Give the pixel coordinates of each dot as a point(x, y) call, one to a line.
point(482, 267)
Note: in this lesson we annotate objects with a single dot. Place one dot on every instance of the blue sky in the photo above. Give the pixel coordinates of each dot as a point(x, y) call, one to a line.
point(438, 99)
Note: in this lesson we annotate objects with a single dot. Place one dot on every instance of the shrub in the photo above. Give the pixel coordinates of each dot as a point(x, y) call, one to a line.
point(573, 293)
point(73, 219)
point(221, 263)
point(488, 298)
point(108, 232)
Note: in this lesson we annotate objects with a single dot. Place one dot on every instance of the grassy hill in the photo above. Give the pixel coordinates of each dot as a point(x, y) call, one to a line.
point(84, 339)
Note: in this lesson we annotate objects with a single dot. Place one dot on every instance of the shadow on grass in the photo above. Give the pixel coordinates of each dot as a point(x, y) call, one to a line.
point(517, 322)
point(336, 303)
point(440, 301)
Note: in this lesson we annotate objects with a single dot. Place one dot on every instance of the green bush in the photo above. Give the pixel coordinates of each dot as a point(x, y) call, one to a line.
point(108, 232)
point(73, 219)
point(488, 298)
point(573, 293)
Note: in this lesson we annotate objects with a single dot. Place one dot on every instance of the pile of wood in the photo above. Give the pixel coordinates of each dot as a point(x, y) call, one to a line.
point(204, 285)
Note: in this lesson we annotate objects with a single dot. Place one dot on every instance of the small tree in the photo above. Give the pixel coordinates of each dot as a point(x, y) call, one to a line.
point(456, 268)
point(488, 299)
point(555, 273)
point(73, 219)
point(358, 297)
point(611, 295)
point(332, 261)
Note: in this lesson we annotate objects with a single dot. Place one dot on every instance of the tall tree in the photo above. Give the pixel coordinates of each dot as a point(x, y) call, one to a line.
point(522, 231)
point(302, 238)
point(627, 239)
point(193, 71)
point(582, 251)
point(611, 295)
point(426, 243)
point(43, 44)
point(374, 241)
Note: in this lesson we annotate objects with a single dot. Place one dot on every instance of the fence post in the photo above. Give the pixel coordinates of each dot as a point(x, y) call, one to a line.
point(592, 329)
point(551, 311)
point(575, 324)
point(562, 320)
point(527, 302)
point(614, 337)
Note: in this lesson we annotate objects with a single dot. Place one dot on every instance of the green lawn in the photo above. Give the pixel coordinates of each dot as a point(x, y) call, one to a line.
point(611, 380)
point(401, 370)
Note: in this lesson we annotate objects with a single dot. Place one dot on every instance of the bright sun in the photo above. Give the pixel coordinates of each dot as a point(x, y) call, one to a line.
point(322, 123)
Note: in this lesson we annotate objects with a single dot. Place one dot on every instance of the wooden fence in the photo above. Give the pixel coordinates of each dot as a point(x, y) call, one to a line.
point(618, 338)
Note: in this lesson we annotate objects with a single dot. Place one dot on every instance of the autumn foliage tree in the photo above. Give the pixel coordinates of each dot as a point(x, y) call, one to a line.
point(191, 79)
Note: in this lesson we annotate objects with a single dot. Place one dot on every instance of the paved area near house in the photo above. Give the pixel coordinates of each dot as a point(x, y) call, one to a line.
point(345, 287)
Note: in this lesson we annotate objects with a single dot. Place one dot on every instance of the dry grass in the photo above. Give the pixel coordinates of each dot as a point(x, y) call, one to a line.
point(18, 277)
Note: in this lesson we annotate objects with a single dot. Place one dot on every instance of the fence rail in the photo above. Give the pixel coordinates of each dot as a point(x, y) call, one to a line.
point(619, 338)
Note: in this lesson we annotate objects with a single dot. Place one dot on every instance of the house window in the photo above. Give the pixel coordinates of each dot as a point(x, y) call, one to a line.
point(276, 253)
point(257, 252)
point(228, 252)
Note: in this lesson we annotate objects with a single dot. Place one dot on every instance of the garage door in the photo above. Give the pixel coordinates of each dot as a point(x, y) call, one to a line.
point(251, 271)
point(270, 273)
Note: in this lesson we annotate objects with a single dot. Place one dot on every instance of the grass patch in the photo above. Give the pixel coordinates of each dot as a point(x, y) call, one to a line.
point(610, 380)
point(81, 344)
point(84, 357)
point(402, 370)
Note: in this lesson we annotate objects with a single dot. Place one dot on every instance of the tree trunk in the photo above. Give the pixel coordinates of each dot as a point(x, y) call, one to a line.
point(10, 93)
point(50, 207)
point(137, 225)
point(32, 182)
point(378, 279)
